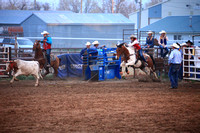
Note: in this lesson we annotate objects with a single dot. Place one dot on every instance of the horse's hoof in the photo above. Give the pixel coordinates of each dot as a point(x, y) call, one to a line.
point(16, 79)
point(36, 85)
point(11, 85)
point(123, 77)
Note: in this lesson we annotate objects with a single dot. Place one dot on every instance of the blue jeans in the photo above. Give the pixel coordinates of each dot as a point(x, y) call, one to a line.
point(141, 55)
point(161, 51)
point(180, 73)
point(173, 75)
point(48, 52)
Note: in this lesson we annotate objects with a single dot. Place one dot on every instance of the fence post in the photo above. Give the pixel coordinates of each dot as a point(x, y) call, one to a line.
point(16, 53)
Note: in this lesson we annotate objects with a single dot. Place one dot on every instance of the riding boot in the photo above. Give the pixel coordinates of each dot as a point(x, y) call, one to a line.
point(136, 61)
point(48, 61)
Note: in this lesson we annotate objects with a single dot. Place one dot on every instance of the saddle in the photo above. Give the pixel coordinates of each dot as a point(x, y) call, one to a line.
point(139, 58)
point(52, 57)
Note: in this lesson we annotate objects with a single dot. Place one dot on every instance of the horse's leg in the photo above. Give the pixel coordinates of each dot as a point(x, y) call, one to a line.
point(127, 72)
point(146, 70)
point(55, 71)
point(47, 71)
point(151, 66)
point(123, 69)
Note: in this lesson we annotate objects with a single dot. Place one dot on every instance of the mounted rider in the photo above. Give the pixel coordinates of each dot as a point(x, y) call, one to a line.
point(135, 44)
point(47, 42)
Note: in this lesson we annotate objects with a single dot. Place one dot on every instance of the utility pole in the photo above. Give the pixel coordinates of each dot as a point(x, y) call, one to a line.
point(140, 14)
point(81, 6)
point(34, 4)
point(112, 6)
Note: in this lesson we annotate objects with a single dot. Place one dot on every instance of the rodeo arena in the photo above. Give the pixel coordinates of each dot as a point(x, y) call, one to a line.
point(101, 72)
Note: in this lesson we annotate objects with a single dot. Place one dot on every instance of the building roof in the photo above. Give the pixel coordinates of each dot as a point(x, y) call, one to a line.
point(18, 16)
point(77, 18)
point(175, 24)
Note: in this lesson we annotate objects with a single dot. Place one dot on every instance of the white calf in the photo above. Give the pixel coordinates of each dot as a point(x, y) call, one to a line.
point(22, 67)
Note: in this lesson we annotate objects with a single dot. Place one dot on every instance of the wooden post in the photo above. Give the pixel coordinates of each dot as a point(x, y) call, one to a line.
point(81, 6)
point(112, 6)
point(34, 4)
point(16, 46)
point(140, 17)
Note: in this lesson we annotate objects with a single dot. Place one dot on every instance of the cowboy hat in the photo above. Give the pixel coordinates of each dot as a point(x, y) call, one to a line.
point(178, 44)
point(175, 45)
point(184, 44)
point(45, 32)
point(189, 42)
point(162, 31)
point(149, 32)
point(132, 36)
point(88, 44)
point(95, 42)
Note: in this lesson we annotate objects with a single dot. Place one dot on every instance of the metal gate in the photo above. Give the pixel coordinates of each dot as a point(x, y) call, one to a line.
point(142, 37)
point(5, 55)
point(128, 32)
point(191, 63)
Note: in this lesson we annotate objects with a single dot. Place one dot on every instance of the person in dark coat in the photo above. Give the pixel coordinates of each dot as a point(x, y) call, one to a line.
point(150, 40)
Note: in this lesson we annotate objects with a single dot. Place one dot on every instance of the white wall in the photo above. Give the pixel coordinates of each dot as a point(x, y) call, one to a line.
point(178, 8)
point(170, 8)
point(133, 18)
point(144, 18)
point(154, 20)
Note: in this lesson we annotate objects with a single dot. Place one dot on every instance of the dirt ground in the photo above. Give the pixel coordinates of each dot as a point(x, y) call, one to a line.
point(111, 106)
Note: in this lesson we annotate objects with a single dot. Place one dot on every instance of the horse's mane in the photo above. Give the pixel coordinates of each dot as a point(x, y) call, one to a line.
point(38, 52)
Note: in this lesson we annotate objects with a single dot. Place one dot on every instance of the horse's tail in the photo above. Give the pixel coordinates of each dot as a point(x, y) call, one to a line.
point(59, 61)
point(154, 63)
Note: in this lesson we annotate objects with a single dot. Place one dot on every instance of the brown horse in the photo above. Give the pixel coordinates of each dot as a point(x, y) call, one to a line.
point(129, 59)
point(39, 56)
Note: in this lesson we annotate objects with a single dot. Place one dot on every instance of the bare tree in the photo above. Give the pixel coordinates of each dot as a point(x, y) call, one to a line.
point(46, 6)
point(119, 5)
point(124, 7)
point(92, 6)
point(1, 4)
point(15, 4)
point(71, 5)
point(153, 2)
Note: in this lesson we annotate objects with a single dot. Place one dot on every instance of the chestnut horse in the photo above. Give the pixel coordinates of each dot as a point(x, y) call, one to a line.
point(39, 56)
point(129, 59)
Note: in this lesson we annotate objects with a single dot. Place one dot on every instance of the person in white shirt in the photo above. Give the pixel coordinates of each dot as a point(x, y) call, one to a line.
point(174, 62)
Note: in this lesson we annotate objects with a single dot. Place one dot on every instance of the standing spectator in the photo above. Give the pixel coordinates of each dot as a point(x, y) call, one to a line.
point(163, 43)
point(174, 62)
point(96, 44)
point(190, 45)
point(88, 44)
point(92, 52)
point(180, 75)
